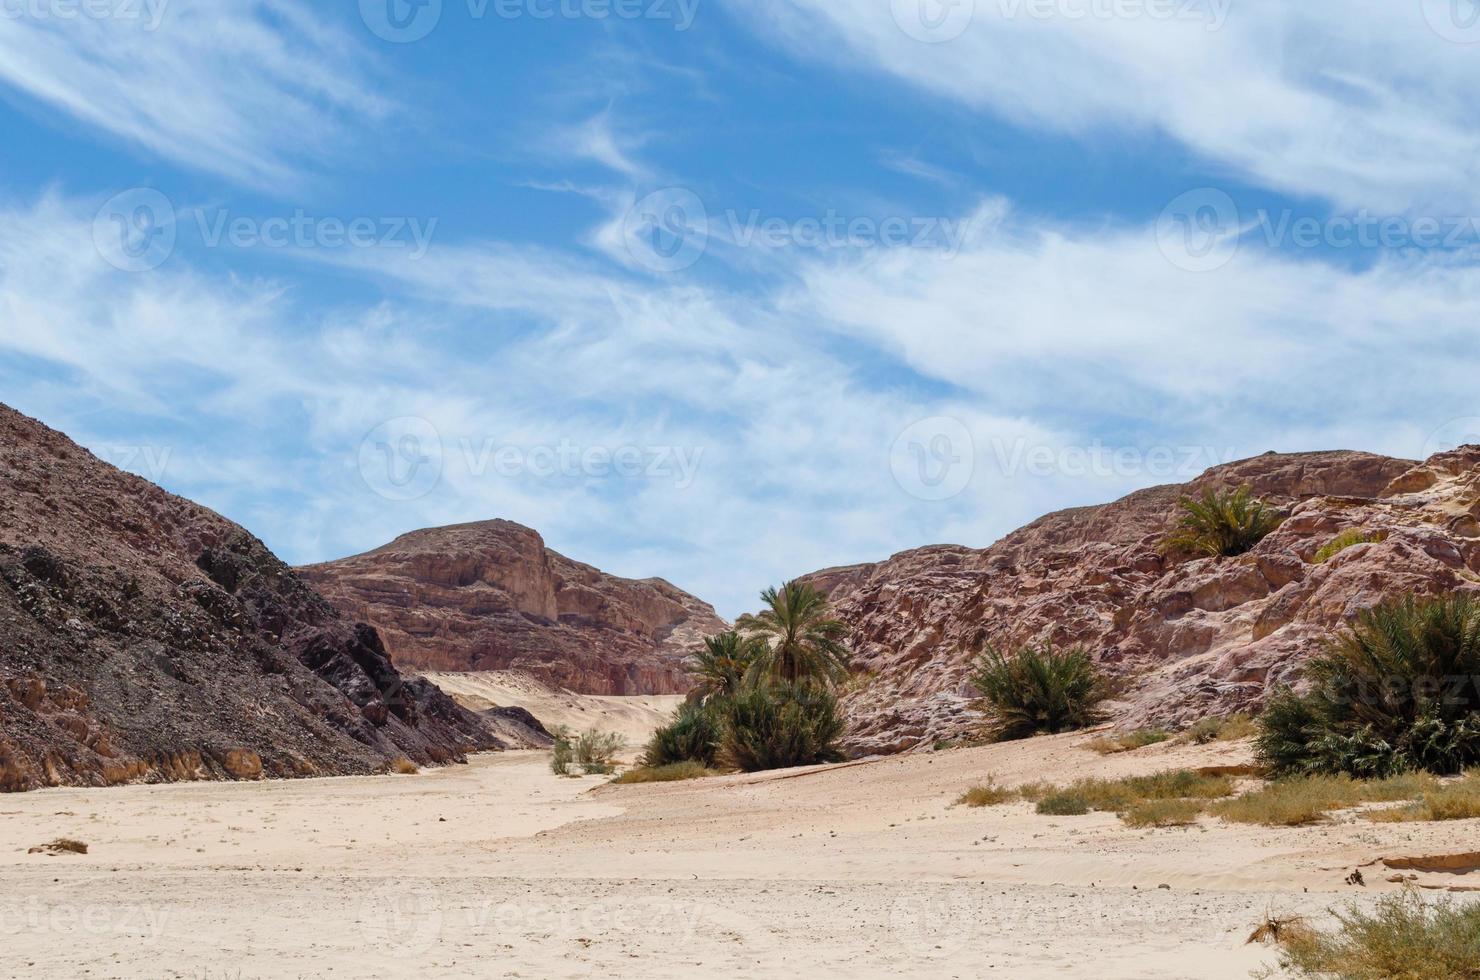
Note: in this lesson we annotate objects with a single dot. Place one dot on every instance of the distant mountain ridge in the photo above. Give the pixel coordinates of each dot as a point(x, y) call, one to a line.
point(492, 596)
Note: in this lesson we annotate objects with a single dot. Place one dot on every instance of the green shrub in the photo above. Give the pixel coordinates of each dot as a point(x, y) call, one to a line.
point(1343, 541)
point(1040, 689)
point(1396, 692)
point(563, 752)
point(777, 726)
point(674, 772)
point(596, 752)
point(1222, 524)
point(1402, 938)
point(692, 736)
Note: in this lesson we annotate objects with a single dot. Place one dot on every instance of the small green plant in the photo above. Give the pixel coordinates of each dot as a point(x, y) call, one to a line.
point(1229, 729)
point(1346, 539)
point(1393, 693)
point(1222, 524)
point(1040, 689)
point(562, 752)
point(674, 772)
point(989, 793)
point(777, 726)
point(1129, 742)
point(692, 736)
point(1404, 938)
point(596, 752)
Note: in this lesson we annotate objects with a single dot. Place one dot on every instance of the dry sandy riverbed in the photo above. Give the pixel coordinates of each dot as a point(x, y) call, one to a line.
point(500, 869)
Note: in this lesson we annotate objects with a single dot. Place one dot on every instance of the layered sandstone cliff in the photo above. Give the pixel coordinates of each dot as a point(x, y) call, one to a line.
point(491, 596)
point(1198, 637)
point(144, 637)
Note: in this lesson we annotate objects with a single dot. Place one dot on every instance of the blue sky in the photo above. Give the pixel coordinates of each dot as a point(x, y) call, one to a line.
point(729, 290)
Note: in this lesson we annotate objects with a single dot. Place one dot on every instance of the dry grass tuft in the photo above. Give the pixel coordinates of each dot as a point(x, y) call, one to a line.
point(671, 773)
point(989, 793)
point(1129, 742)
point(1452, 801)
point(1307, 800)
point(1277, 930)
point(1163, 813)
point(62, 845)
point(404, 767)
point(1229, 729)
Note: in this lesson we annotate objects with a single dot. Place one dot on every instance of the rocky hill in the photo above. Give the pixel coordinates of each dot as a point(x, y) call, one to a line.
point(491, 596)
point(1199, 637)
point(144, 637)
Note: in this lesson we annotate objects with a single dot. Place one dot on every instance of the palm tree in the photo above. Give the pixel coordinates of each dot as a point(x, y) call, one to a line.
point(1223, 523)
point(802, 642)
point(721, 664)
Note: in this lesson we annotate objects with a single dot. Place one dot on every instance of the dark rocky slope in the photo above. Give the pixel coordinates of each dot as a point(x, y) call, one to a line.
point(144, 637)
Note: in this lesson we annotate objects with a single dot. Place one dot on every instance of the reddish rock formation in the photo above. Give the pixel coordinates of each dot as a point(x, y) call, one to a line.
point(1206, 636)
point(143, 636)
point(491, 596)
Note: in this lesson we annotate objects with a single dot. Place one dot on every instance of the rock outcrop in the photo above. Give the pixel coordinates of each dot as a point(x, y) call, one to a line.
point(491, 596)
point(144, 637)
point(1193, 638)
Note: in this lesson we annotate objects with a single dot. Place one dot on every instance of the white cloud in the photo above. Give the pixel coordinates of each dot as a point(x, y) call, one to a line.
point(253, 90)
point(1362, 104)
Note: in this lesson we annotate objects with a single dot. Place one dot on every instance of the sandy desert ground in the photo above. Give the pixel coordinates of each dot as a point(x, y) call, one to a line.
point(500, 869)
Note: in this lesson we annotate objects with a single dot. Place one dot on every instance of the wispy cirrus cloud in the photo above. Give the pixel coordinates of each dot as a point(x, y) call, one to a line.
point(1363, 106)
point(257, 91)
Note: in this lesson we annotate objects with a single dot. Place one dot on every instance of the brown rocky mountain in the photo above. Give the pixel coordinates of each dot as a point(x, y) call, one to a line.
point(144, 637)
point(1199, 637)
point(491, 596)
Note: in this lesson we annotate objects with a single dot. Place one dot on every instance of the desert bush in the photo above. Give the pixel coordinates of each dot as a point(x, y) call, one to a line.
point(1223, 523)
point(692, 736)
point(1229, 729)
point(1393, 693)
point(722, 663)
point(1163, 813)
point(1402, 938)
point(673, 772)
point(1040, 689)
point(989, 793)
point(403, 766)
point(1129, 742)
point(563, 753)
point(596, 752)
point(777, 726)
point(1063, 804)
point(1296, 801)
point(1346, 539)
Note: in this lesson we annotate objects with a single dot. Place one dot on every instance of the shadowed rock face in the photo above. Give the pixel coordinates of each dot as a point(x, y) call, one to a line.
point(1200, 637)
point(144, 637)
point(491, 596)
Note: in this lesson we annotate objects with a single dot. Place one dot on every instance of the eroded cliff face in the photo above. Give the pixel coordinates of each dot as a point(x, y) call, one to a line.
point(491, 596)
point(1207, 636)
point(144, 637)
